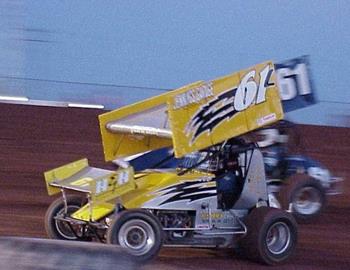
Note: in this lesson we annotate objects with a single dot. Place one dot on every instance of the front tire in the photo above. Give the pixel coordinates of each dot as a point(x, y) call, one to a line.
point(138, 232)
point(304, 196)
point(57, 229)
point(271, 235)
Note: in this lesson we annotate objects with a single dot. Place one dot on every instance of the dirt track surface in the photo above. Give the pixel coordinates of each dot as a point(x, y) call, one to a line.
point(35, 139)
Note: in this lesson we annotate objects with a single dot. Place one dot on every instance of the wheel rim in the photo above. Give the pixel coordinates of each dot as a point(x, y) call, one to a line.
point(137, 237)
point(278, 238)
point(307, 201)
point(63, 227)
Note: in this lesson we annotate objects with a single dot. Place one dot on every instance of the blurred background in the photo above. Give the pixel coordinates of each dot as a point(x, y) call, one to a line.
point(111, 53)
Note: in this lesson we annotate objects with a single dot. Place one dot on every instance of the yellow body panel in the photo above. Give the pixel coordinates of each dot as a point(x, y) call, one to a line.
point(145, 189)
point(99, 210)
point(149, 185)
point(120, 183)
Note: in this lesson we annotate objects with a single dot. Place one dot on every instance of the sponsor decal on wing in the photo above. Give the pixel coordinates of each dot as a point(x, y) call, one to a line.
point(227, 104)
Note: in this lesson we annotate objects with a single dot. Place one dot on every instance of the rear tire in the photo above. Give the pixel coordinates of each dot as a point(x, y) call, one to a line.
point(56, 229)
point(304, 196)
point(138, 232)
point(271, 236)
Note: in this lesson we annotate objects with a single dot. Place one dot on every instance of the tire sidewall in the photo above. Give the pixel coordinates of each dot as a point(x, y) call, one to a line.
point(268, 256)
point(127, 215)
point(258, 222)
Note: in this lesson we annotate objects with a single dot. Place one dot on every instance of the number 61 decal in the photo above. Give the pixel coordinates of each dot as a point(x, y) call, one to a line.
point(230, 102)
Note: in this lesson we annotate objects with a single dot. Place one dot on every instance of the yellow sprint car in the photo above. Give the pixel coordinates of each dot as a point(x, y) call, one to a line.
point(217, 197)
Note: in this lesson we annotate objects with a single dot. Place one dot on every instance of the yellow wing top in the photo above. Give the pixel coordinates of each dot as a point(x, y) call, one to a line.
point(195, 116)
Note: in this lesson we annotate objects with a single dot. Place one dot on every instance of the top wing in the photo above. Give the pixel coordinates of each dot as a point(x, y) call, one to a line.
point(195, 116)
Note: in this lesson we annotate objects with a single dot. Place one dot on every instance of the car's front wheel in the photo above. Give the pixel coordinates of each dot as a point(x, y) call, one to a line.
point(138, 232)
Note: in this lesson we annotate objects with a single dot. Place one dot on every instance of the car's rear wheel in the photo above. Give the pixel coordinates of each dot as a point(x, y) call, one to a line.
point(138, 232)
point(271, 235)
point(59, 229)
point(304, 196)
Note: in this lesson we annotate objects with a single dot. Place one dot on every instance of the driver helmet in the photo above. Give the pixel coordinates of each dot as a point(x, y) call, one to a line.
point(270, 136)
